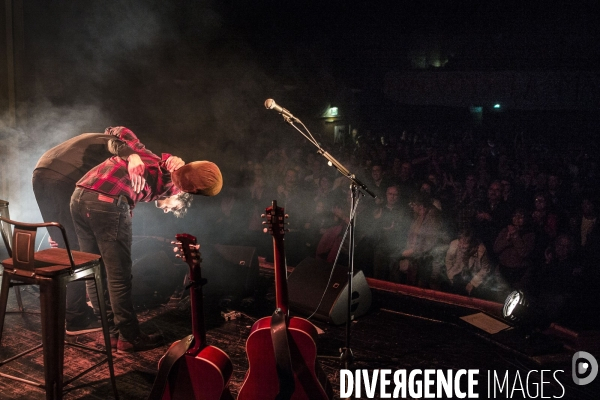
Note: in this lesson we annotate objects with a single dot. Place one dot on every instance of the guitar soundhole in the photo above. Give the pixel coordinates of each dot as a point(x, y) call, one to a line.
point(355, 295)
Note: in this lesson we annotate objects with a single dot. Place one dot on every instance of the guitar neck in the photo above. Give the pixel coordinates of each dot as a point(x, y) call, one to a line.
point(190, 252)
point(197, 305)
point(281, 290)
point(275, 217)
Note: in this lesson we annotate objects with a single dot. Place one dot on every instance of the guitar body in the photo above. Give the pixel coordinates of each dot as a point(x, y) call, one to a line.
point(200, 377)
point(261, 381)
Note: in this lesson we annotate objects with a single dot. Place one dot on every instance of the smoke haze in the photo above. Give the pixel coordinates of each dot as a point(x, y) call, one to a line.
point(170, 71)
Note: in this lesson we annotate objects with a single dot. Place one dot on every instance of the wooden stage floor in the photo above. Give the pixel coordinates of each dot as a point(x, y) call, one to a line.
point(399, 332)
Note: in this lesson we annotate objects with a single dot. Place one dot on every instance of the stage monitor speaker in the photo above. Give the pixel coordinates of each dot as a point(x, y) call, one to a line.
point(229, 270)
point(308, 281)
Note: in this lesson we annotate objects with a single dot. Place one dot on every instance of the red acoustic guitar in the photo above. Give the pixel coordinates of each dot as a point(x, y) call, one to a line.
point(191, 370)
point(281, 350)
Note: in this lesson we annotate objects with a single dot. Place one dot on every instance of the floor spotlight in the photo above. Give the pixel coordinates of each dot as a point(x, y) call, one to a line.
point(515, 307)
point(529, 318)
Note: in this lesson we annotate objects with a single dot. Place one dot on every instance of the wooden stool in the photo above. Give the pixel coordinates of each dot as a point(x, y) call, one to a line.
point(51, 269)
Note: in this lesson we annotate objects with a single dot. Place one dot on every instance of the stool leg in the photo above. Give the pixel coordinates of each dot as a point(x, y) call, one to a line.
point(3, 300)
point(19, 300)
point(105, 331)
point(53, 295)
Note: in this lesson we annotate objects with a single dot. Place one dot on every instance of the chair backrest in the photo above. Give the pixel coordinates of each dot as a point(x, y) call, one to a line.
point(5, 228)
point(22, 248)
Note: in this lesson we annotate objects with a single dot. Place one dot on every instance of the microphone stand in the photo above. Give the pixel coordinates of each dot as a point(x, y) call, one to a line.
point(356, 186)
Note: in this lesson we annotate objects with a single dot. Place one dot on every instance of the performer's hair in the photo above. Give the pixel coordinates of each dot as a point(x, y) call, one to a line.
point(186, 200)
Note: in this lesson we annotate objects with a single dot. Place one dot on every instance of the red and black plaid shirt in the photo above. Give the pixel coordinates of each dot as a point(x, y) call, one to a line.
point(112, 178)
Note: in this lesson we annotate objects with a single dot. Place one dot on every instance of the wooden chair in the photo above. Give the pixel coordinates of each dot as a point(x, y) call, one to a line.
point(7, 236)
point(51, 269)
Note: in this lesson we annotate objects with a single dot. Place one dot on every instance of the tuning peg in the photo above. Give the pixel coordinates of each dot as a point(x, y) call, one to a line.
point(286, 216)
point(265, 230)
point(175, 249)
point(262, 215)
point(195, 246)
point(178, 255)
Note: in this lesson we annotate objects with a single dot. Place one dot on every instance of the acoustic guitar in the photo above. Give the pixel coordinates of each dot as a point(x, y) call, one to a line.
point(191, 370)
point(281, 350)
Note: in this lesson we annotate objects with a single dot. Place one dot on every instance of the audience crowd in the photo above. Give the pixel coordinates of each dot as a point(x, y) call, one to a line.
point(474, 216)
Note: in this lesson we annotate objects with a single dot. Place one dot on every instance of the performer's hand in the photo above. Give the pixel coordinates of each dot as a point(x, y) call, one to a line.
point(53, 244)
point(137, 182)
point(135, 165)
point(173, 163)
point(136, 168)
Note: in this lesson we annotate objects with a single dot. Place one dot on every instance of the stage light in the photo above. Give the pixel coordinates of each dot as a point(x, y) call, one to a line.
point(497, 106)
point(529, 319)
point(515, 306)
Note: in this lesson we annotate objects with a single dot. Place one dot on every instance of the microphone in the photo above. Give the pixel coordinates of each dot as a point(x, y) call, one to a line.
point(271, 105)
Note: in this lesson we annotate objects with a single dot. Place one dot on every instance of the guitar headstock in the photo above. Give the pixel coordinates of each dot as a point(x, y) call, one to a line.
point(274, 220)
point(187, 248)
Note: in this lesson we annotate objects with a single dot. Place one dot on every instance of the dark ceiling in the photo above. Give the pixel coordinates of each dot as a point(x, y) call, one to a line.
point(188, 66)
